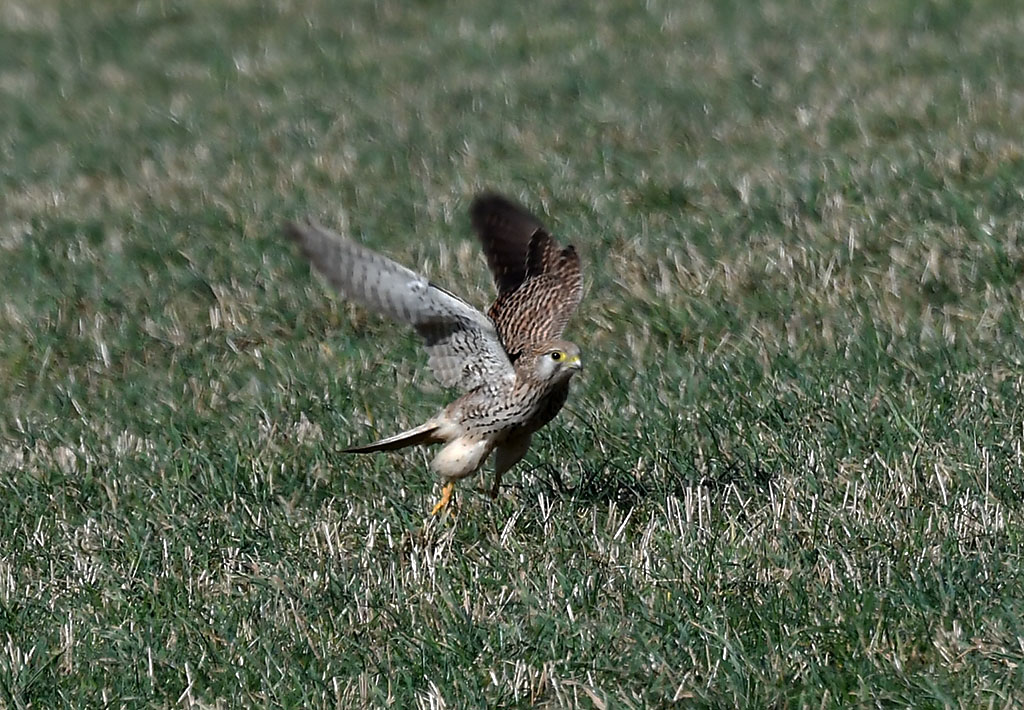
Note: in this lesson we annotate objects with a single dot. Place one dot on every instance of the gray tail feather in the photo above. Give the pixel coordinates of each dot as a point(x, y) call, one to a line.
point(423, 434)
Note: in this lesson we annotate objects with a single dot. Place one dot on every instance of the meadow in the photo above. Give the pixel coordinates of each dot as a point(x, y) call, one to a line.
point(788, 477)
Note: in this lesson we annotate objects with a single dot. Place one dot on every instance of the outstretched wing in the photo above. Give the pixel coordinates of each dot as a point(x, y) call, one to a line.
point(539, 283)
point(464, 348)
point(505, 229)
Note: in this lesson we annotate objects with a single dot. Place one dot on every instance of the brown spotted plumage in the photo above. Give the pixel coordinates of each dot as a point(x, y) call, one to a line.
point(539, 283)
point(511, 364)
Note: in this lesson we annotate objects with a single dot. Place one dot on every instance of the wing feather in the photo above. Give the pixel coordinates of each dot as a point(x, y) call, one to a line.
point(539, 283)
point(462, 344)
point(505, 230)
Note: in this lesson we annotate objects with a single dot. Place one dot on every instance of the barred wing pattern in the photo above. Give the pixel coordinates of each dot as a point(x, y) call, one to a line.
point(539, 283)
point(464, 348)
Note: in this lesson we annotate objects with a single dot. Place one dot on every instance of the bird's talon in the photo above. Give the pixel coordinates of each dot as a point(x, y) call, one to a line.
point(446, 496)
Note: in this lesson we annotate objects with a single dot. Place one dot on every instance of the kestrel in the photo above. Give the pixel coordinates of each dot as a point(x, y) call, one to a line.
point(511, 365)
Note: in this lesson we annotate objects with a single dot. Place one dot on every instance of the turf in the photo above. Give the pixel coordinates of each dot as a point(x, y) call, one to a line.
point(790, 475)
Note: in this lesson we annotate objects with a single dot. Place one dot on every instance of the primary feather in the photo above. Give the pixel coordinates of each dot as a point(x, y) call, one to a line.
point(463, 346)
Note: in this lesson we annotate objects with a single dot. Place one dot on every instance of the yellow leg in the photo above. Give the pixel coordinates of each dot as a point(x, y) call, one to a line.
point(446, 496)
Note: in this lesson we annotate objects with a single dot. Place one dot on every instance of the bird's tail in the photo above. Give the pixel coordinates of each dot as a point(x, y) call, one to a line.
point(423, 434)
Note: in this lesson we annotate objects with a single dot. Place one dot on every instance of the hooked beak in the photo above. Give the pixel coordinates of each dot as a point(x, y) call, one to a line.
point(574, 363)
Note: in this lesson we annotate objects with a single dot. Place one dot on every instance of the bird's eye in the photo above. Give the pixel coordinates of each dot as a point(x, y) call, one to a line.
point(557, 355)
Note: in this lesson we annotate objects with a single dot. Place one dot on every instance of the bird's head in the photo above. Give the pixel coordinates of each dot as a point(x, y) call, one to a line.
point(556, 361)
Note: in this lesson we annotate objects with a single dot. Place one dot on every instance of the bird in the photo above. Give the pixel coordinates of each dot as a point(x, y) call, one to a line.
point(510, 365)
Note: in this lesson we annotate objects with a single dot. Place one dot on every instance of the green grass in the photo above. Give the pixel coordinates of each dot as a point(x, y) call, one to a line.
point(790, 475)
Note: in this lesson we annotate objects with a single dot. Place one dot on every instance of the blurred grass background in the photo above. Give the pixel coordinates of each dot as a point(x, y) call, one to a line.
point(790, 475)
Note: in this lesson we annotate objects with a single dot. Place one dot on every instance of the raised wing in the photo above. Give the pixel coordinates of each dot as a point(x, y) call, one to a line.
point(464, 348)
point(539, 283)
point(505, 229)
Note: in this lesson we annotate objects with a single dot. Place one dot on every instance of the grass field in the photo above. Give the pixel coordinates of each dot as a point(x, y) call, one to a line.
point(790, 475)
